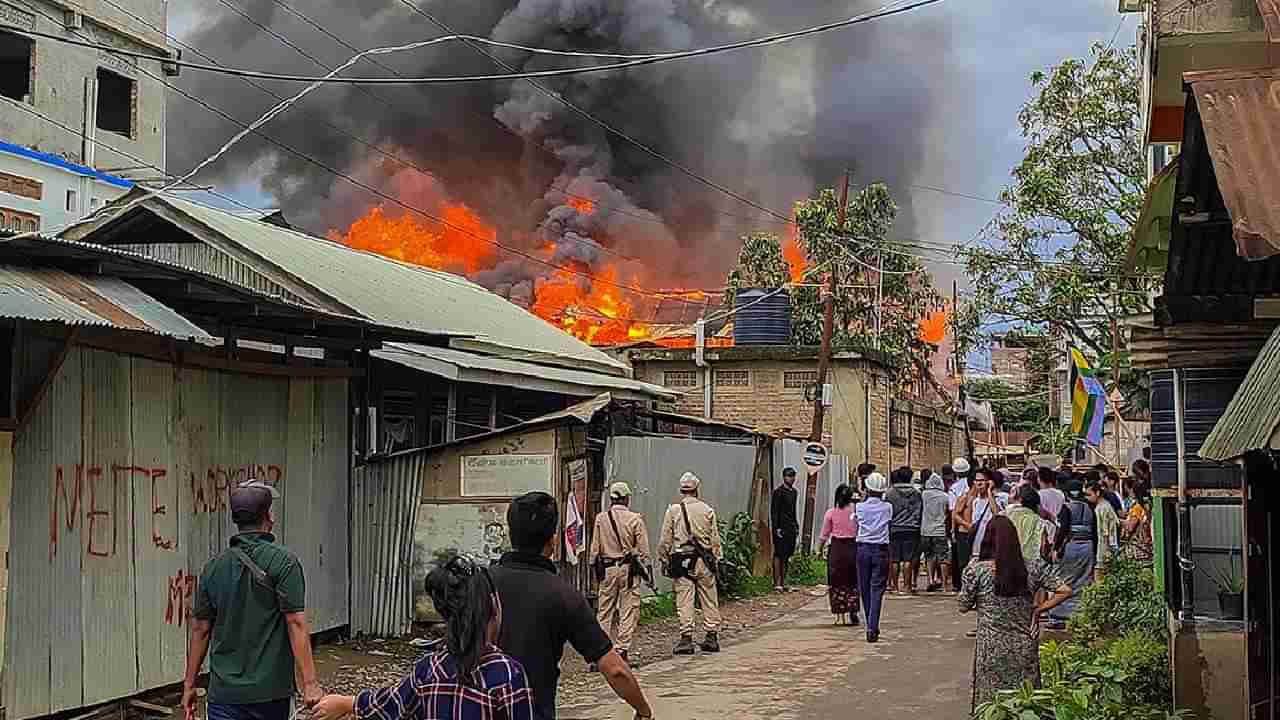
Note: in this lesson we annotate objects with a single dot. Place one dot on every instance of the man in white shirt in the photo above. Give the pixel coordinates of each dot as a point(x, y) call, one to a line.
point(873, 515)
point(956, 475)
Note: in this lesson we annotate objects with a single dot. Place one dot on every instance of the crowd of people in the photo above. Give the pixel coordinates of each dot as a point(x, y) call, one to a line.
point(1017, 550)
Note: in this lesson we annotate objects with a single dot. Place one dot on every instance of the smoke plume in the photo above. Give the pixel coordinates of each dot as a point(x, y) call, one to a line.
point(773, 123)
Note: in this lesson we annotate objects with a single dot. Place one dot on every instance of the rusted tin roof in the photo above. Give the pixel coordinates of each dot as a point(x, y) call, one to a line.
point(1240, 110)
point(57, 296)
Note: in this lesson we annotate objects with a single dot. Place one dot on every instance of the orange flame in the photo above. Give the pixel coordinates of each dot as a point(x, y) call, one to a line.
point(794, 255)
point(593, 309)
point(581, 204)
point(933, 328)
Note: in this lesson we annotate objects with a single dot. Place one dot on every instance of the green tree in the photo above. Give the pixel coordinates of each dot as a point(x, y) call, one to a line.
point(1014, 411)
point(854, 254)
point(1054, 258)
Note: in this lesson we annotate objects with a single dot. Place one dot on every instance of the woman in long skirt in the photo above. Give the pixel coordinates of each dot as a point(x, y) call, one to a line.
point(841, 529)
point(1076, 560)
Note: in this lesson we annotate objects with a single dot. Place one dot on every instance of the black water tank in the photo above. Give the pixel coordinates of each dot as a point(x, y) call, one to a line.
point(1205, 396)
point(763, 317)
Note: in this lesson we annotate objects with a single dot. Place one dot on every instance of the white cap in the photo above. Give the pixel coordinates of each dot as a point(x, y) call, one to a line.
point(689, 482)
point(875, 482)
point(619, 490)
point(960, 465)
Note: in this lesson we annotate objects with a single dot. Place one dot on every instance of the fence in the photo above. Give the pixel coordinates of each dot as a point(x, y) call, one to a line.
point(385, 497)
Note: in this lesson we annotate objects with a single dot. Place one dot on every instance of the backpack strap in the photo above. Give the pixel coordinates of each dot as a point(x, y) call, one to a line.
point(259, 575)
point(616, 534)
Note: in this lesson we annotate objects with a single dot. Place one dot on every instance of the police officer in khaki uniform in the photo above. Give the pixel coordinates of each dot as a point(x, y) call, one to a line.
point(621, 542)
point(689, 548)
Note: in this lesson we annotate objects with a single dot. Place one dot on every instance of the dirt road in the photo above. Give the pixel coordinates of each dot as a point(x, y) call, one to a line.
point(801, 666)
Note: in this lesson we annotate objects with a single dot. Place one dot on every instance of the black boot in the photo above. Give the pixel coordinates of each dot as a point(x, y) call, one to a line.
point(685, 646)
point(711, 643)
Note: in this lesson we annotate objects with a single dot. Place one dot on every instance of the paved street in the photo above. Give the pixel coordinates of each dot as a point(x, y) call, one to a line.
point(802, 666)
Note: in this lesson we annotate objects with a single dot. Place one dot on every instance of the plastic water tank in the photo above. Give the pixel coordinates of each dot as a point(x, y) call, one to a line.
point(763, 317)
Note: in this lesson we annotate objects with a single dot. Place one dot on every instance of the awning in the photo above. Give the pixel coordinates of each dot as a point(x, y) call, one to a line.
point(1250, 421)
point(1240, 111)
point(1149, 249)
point(468, 367)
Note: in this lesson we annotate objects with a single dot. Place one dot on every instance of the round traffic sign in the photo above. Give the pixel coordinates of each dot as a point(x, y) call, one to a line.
point(815, 455)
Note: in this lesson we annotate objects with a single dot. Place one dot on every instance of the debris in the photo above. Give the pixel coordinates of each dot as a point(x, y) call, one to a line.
point(381, 653)
point(419, 642)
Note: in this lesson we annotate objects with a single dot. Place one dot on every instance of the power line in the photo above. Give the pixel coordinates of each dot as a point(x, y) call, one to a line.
point(886, 11)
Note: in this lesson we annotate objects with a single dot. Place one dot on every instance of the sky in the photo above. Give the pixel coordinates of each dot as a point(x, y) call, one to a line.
point(957, 72)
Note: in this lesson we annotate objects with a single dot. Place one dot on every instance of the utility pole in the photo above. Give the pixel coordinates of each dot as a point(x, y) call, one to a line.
point(1115, 367)
point(960, 369)
point(828, 321)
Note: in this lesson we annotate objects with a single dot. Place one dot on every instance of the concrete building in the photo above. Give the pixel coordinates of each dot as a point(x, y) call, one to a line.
point(78, 124)
point(770, 388)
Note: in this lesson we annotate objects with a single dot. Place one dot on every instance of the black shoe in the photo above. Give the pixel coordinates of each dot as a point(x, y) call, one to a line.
point(711, 643)
point(933, 587)
point(873, 636)
point(853, 621)
point(685, 646)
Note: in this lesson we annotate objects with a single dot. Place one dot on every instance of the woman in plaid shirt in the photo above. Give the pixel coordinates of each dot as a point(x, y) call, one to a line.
point(461, 677)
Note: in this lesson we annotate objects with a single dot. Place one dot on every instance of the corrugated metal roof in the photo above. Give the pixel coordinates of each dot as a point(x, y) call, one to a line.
point(1240, 111)
point(1250, 420)
point(470, 367)
point(58, 296)
point(395, 293)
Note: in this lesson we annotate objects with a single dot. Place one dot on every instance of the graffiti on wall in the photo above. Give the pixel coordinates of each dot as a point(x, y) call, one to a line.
point(89, 499)
point(181, 596)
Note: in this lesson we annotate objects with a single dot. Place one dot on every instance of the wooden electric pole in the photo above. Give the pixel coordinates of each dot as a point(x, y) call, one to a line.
point(960, 369)
point(828, 320)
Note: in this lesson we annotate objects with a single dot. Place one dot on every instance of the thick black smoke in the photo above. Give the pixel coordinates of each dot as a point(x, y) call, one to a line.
point(770, 123)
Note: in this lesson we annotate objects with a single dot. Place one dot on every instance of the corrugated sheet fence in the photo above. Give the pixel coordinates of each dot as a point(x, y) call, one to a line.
point(653, 466)
point(119, 499)
point(386, 496)
point(833, 474)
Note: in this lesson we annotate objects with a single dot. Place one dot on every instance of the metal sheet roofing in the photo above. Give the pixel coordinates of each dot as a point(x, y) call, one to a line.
point(470, 367)
point(1250, 420)
point(58, 296)
point(396, 293)
point(1240, 111)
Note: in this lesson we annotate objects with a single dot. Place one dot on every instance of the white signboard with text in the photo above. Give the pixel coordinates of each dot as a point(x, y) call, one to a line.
point(506, 475)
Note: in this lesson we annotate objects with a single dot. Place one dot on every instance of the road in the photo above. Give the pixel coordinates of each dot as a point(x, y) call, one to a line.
point(801, 666)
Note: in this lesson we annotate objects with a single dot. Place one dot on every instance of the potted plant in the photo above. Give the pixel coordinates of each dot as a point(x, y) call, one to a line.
point(1230, 583)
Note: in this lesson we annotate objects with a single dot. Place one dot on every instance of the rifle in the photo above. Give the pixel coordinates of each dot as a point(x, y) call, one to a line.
point(704, 554)
point(634, 566)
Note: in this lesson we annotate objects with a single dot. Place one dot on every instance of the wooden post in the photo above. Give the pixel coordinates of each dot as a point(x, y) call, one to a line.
point(1115, 370)
point(960, 371)
point(828, 323)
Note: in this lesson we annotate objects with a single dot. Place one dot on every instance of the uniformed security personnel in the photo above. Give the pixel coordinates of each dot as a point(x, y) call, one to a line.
point(689, 550)
point(621, 542)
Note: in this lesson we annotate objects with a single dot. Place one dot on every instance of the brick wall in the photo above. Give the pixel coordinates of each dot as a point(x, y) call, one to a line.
point(765, 402)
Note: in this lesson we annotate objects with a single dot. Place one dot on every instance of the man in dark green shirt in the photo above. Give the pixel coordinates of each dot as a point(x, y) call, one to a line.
point(250, 613)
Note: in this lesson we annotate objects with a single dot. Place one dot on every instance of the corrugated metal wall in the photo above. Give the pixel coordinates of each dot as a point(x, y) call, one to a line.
point(120, 497)
point(384, 508)
point(653, 466)
point(833, 474)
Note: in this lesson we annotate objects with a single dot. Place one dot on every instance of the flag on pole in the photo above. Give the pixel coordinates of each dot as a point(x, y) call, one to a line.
point(574, 531)
point(1088, 400)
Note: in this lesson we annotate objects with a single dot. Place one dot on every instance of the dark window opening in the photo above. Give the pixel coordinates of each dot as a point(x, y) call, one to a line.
point(15, 66)
point(115, 103)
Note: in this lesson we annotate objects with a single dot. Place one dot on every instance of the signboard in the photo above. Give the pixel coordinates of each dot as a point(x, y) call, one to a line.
point(815, 456)
point(506, 475)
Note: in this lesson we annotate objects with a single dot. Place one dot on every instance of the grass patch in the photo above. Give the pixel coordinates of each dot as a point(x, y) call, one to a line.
point(807, 571)
point(756, 586)
point(657, 607)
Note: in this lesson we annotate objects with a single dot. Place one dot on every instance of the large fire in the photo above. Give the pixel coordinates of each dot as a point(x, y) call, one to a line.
point(589, 305)
point(795, 255)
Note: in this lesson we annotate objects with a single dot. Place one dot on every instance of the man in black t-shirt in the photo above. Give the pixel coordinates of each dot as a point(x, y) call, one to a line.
point(786, 528)
point(541, 611)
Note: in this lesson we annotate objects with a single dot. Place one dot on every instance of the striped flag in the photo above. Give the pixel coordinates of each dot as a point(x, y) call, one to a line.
point(1088, 400)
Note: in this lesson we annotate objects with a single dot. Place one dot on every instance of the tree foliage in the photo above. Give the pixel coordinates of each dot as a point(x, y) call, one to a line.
point(1013, 410)
point(1054, 258)
point(854, 253)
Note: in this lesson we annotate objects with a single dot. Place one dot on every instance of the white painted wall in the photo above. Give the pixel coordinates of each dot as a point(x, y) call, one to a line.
point(90, 192)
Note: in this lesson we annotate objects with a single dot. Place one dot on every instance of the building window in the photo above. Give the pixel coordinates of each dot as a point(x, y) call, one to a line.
point(799, 379)
point(18, 221)
point(17, 55)
point(899, 427)
point(680, 378)
point(21, 186)
point(733, 378)
point(73, 202)
point(116, 103)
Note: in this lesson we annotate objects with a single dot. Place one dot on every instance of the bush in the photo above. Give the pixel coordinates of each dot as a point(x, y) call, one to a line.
point(1126, 678)
point(657, 607)
point(807, 570)
point(1125, 601)
point(738, 541)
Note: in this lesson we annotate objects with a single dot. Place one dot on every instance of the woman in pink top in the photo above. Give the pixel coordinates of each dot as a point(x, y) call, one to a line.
point(841, 528)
